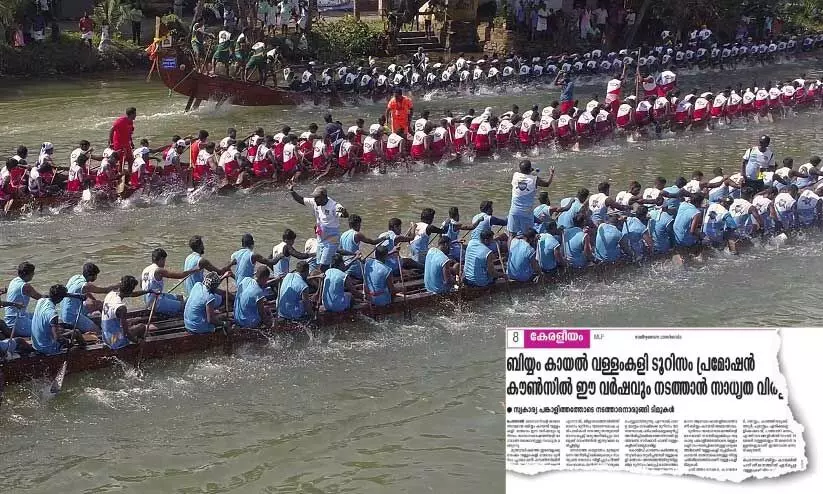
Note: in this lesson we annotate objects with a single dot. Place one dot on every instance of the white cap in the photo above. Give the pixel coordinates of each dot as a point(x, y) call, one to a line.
point(181, 143)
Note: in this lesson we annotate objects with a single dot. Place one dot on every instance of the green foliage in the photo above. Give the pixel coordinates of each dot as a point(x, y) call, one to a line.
point(10, 12)
point(70, 55)
point(111, 12)
point(344, 39)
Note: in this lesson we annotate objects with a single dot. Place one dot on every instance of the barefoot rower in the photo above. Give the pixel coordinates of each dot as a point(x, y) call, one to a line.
point(379, 279)
point(350, 245)
point(118, 331)
point(572, 205)
point(77, 309)
point(246, 258)
point(688, 222)
point(294, 301)
point(197, 264)
point(285, 251)
point(423, 229)
point(609, 241)
point(391, 239)
point(250, 309)
point(479, 267)
point(636, 231)
point(152, 281)
point(327, 214)
point(47, 336)
point(338, 287)
point(576, 242)
point(19, 292)
point(549, 250)
point(522, 264)
point(201, 314)
point(440, 272)
point(600, 203)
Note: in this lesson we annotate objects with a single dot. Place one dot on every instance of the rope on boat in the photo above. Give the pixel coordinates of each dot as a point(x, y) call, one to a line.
point(181, 80)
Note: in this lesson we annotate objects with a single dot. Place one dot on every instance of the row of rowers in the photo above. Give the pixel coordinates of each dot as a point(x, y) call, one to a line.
point(580, 231)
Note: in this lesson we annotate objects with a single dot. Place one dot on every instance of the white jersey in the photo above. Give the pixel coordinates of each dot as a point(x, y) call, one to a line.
point(289, 152)
point(651, 193)
point(591, 105)
point(203, 158)
point(319, 148)
point(148, 281)
point(369, 144)
point(783, 203)
point(393, 141)
point(74, 155)
point(419, 138)
point(762, 203)
point(623, 197)
point(420, 124)
point(227, 156)
point(505, 127)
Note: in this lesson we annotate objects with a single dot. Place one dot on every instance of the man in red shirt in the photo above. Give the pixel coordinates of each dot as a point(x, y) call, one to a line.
point(86, 28)
point(120, 136)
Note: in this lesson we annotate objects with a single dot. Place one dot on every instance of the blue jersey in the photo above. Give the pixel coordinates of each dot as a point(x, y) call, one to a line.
point(566, 218)
point(290, 299)
point(15, 294)
point(542, 218)
point(245, 264)
point(335, 298)
point(69, 307)
point(607, 243)
point(634, 230)
point(519, 264)
point(475, 270)
point(451, 232)
point(249, 293)
point(547, 244)
point(192, 262)
point(194, 314)
point(574, 247)
point(113, 335)
point(683, 223)
point(377, 276)
point(348, 244)
point(387, 239)
point(485, 224)
point(660, 228)
point(42, 336)
point(433, 273)
point(672, 203)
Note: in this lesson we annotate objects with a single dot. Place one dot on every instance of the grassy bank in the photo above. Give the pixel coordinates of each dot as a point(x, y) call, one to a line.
point(68, 56)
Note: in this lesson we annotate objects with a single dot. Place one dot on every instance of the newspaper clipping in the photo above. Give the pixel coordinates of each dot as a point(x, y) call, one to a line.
point(705, 402)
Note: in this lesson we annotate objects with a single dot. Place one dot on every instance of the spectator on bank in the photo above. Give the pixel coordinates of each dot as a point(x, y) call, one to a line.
point(542, 21)
point(86, 29)
point(136, 16)
point(600, 16)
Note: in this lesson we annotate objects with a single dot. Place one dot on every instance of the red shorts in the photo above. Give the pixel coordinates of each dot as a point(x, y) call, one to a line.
point(263, 169)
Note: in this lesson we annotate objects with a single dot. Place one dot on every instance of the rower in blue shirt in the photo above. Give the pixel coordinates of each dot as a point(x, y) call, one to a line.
point(543, 213)
point(350, 245)
point(549, 250)
point(485, 219)
point(244, 259)
point(195, 260)
point(478, 268)
point(250, 309)
point(451, 229)
point(688, 222)
point(576, 242)
point(19, 292)
point(380, 286)
point(201, 314)
point(294, 302)
point(636, 231)
point(284, 251)
point(609, 241)
point(117, 330)
point(441, 271)
point(522, 262)
point(572, 206)
point(391, 239)
point(47, 336)
point(661, 225)
point(338, 287)
point(83, 285)
point(419, 245)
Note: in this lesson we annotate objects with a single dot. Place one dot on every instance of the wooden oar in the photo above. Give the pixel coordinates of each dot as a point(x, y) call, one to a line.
point(406, 312)
point(145, 334)
point(503, 268)
point(319, 300)
point(57, 382)
point(365, 293)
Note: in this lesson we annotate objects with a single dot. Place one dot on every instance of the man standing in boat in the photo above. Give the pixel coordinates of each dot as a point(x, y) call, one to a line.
point(120, 137)
point(327, 214)
point(757, 160)
point(524, 188)
point(400, 109)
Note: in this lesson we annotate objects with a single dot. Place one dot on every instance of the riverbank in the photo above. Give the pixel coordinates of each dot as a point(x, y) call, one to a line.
point(69, 55)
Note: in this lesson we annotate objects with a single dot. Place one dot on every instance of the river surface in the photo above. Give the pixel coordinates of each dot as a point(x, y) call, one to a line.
point(381, 407)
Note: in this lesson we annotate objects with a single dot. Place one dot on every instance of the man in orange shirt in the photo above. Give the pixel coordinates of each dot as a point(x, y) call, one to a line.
point(399, 110)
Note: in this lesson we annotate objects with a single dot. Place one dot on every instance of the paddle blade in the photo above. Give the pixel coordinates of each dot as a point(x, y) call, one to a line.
point(86, 195)
point(57, 383)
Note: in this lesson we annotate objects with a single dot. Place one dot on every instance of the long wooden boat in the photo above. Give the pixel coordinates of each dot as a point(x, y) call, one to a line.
point(172, 339)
